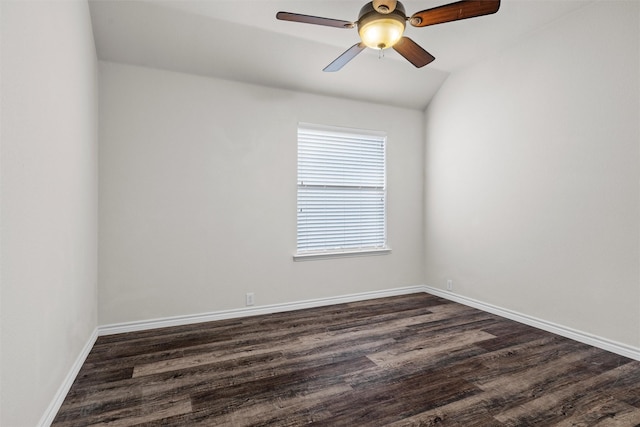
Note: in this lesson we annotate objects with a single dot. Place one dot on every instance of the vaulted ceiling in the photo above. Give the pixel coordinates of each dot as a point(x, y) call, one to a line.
point(241, 40)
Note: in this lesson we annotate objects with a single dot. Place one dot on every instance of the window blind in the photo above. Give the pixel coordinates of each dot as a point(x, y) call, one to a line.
point(341, 190)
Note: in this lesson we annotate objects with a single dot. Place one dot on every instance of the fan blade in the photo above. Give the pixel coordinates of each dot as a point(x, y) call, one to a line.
point(452, 12)
point(308, 19)
point(347, 56)
point(412, 52)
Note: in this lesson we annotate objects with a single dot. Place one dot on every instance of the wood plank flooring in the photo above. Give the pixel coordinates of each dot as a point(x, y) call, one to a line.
point(414, 360)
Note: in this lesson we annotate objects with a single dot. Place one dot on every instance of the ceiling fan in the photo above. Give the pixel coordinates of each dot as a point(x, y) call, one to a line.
point(381, 24)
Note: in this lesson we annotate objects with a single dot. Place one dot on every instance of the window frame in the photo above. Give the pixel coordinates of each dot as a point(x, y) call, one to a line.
point(334, 131)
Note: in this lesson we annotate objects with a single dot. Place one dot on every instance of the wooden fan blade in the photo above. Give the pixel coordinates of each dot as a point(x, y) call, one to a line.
point(308, 19)
point(347, 56)
point(454, 11)
point(413, 52)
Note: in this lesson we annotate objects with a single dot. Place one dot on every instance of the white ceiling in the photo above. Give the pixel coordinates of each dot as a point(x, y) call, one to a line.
point(242, 40)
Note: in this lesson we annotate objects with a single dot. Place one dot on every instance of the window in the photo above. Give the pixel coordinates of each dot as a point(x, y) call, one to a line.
point(341, 192)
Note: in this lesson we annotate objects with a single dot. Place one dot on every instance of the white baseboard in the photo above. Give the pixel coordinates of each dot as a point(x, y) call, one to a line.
point(64, 388)
point(596, 341)
point(583, 337)
point(251, 311)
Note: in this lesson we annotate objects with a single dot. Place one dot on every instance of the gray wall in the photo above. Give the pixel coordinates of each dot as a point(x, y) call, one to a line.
point(198, 195)
point(532, 176)
point(48, 216)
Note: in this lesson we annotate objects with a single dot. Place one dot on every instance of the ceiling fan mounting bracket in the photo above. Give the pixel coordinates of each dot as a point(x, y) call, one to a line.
point(384, 6)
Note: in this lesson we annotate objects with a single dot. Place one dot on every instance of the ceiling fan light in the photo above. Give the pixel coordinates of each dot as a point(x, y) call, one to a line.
point(381, 33)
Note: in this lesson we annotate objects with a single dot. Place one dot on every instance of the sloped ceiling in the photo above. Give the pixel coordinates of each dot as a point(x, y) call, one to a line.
point(241, 40)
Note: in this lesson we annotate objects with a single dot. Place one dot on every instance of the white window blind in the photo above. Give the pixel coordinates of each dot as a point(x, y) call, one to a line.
point(341, 190)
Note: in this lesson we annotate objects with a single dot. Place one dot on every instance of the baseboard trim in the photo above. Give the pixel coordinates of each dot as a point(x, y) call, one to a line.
point(583, 337)
point(143, 325)
point(586, 338)
point(64, 388)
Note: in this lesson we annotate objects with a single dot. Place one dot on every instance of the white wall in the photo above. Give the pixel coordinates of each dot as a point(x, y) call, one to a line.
point(532, 176)
point(198, 195)
point(49, 200)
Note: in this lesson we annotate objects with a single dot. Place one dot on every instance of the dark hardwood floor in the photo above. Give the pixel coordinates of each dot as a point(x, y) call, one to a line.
point(414, 360)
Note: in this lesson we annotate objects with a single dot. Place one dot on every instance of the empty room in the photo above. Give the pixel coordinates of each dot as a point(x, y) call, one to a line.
point(340, 213)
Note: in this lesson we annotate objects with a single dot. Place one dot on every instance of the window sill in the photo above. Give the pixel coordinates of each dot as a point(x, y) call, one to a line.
point(312, 256)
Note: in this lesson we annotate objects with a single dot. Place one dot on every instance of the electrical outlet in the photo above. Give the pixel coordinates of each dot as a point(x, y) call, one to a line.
point(249, 297)
point(449, 284)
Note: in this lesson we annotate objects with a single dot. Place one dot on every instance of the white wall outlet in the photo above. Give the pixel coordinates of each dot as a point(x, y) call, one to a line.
point(449, 284)
point(249, 298)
